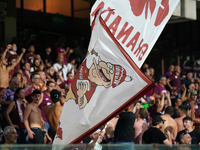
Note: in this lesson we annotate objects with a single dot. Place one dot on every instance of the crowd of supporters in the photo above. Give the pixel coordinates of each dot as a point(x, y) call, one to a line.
point(33, 90)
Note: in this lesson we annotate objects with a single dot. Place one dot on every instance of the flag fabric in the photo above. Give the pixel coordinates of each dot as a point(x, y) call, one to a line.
point(109, 79)
point(136, 24)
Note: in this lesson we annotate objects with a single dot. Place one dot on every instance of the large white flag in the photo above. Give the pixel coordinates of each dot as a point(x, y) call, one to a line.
point(136, 24)
point(109, 79)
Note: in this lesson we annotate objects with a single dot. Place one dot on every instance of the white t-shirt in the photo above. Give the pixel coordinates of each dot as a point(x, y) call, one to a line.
point(63, 72)
point(69, 67)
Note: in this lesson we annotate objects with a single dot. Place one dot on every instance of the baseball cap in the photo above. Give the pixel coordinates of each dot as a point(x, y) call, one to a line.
point(158, 119)
point(193, 92)
point(55, 95)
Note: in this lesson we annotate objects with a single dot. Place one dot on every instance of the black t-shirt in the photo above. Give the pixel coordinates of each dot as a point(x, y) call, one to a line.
point(153, 135)
point(195, 135)
point(124, 127)
point(48, 57)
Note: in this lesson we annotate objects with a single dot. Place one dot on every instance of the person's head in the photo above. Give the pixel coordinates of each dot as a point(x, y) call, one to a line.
point(129, 108)
point(146, 72)
point(145, 65)
point(178, 69)
point(10, 134)
point(31, 48)
point(191, 86)
point(70, 75)
point(185, 138)
point(35, 78)
point(18, 75)
point(72, 60)
point(178, 102)
point(48, 49)
point(189, 75)
point(151, 71)
point(36, 95)
point(38, 56)
point(157, 121)
point(19, 94)
point(55, 95)
point(169, 110)
point(94, 136)
point(143, 113)
point(138, 105)
point(50, 86)
point(171, 68)
point(182, 110)
point(51, 71)
point(14, 47)
point(4, 61)
point(11, 60)
point(42, 75)
point(36, 62)
point(193, 95)
point(163, 80)
point(14, 83)
point(60, 59)
point(27, 66)
point(41, 67)
point(187, 122)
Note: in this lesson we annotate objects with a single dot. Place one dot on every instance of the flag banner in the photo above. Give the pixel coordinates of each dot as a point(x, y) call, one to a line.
point(106, 83)
point(136, 24)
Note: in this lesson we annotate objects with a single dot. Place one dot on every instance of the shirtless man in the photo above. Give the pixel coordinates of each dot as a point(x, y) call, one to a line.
point(4, 70)
point(182, 111)
point(169, 123)
point(53, 112)
point(33, 120)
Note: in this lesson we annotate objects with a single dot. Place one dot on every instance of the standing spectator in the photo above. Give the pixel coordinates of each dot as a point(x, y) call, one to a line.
point(45, 101)
point(169, 122)
point(53, 112)
point(160, 87)
point(17, 107)
point(140, 126)
point(186, 81)
point(174, 81)
point(7, 99)
point(177, 103)
point(11, 61)
point(155, 135)
point(33, 120)
point(182, 111)
point(62, 51)
point(61, 67)
point(169, 72)
point(4, 70)
point(48, 59)
point(27, 73)
point(13, 53)
point(10, 135)
point(35, 80)
point(188, 128)
point(30, 56)
point(124, 128)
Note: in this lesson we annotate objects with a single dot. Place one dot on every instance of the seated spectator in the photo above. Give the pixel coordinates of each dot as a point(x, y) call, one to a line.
point(140, 126)
point(188, 128)
point(154, 135)
point(169, 72)
point(17, 107)
point(22, 80)
point(185, 138)
point(10, 135)
point(36, 64)
point(160, 87)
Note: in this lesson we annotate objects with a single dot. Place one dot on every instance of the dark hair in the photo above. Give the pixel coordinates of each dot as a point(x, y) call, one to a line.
point(169, 110)
point(144, 70)
point(187, 118)
point(71, 58)
point(10, 59)
point(162, 77)
point(33, 75)
point(143, 113)
point(17, 92)
point(36, 92)
point(49, 82)
point(16, 73)
point(184, 108)
point(25, 63)
point(69, 73)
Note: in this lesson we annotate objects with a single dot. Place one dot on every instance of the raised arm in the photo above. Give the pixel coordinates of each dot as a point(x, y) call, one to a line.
point(18, 60)
point(5, 52)
point(161, 104)
point(168, 98)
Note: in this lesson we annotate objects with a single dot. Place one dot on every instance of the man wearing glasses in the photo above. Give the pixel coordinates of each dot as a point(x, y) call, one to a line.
point(35, 81)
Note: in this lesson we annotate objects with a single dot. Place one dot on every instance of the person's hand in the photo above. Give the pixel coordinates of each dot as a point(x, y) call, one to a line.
point(3, 92)
point(192, 105)
point(167, 133)
point(168, 94)
point(9, 46)
point(23, 50)
point(183, 87)
point(67, 49)
point(49, 140)
point(30, 134)
point(15, 126)
point(71, 50)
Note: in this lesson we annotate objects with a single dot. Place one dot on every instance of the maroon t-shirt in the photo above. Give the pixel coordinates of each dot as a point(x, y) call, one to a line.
point(28, 91)
point(29, 58)
point(175, 82)
point(8, 55)
point(62, 50)
point(158, 89)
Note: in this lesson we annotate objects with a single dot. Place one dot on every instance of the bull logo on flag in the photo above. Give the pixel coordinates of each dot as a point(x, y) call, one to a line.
point(87, 79)
point(137, 7)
